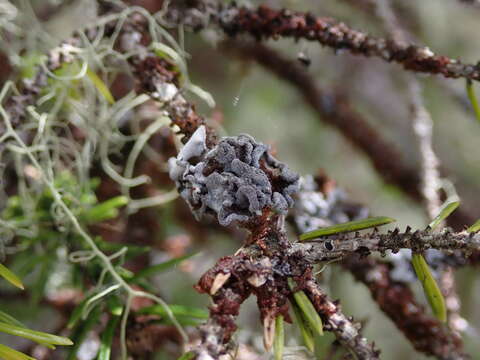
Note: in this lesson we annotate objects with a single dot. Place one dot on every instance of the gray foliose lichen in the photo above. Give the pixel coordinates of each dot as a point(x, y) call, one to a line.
point(234, 181)
point(314, 209)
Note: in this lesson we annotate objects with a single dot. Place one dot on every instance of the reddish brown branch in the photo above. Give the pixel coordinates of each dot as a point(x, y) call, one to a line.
point(397, 301)
point(5, 69)
point(227, 295)
point(475, 3)
point(265, 22)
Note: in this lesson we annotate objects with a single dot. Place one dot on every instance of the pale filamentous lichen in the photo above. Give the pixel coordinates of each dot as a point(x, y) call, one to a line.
point(234, 181)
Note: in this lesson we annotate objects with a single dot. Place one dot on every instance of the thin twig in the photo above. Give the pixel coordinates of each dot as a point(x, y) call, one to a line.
point(344, 329)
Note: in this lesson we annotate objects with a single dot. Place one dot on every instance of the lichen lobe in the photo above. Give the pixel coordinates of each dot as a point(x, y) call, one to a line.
point(235, 181)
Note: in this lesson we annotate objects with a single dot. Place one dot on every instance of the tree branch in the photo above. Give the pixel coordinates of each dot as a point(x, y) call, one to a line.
point(265, 22)
point(344, 329)
point(342, 245)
